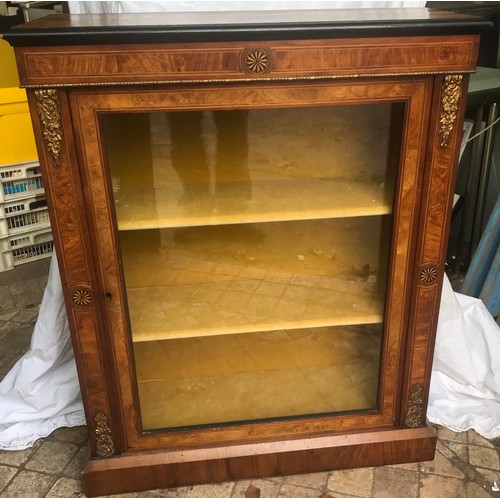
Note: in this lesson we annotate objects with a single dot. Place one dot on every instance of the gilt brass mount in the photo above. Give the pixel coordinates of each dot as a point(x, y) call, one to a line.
point(415, 415)
point(103, 437)
point(450, 96)
point(47, 102)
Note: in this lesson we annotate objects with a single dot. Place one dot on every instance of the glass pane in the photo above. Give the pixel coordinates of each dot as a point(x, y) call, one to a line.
point(255, 249)
point(203, 380)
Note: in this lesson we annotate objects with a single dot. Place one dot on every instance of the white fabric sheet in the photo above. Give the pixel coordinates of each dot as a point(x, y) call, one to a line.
point(41, 392)
point(92, 7)
point(465, 384)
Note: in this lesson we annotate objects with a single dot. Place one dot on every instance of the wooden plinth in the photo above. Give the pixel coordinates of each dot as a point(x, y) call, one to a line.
point(157, 469)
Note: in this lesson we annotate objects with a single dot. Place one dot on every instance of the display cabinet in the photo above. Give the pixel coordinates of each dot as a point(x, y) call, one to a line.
point(250, 213)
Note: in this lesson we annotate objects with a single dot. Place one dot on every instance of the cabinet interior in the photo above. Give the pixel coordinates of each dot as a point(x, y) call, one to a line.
point(259, 375)
point(255, 247)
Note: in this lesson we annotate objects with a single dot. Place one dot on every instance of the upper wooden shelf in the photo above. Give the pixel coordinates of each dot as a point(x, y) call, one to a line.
point(268, 201)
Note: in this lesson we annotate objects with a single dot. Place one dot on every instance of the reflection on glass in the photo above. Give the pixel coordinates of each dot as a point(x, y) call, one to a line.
point(189, 157)
point(257, 375)
point(249, 166)
point(255, 249)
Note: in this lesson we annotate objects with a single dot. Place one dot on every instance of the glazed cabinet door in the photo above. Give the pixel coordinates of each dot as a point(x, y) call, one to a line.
point(254, 249)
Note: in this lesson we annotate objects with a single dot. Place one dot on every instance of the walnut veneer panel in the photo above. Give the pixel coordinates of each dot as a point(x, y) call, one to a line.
point(168, 469)
point(68, 220)
point(87, 104)
point(450, 94)
point(99, 65)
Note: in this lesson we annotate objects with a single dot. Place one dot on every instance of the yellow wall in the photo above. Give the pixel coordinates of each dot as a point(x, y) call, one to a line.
point(16, 133)
point(8, 70)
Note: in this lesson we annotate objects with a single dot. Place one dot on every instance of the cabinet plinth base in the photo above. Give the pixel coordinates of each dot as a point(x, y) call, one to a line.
point(141, 471)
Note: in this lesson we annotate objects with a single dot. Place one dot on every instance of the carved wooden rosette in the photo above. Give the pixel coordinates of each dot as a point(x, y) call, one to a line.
point(256, 61)
point(415, 416)
point(47, 102)
point(428, 274)
point(450, 95)
point(103, 437)
point(81, 297)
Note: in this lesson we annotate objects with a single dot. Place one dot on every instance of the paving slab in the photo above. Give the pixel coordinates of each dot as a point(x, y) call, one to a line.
point(29, 484)
point(394, 483)
point(221, 490)
point(76, 435)
point(66, 488)
point(268, 488)
point(294, 491)
point(473, 490)
point(16, 457)
point(432, 486)
point(444, 433)
point(441, 466)
point(357, 482)
point(486, 458)
point(6, 474)
point(318, 480)
point(52, 457)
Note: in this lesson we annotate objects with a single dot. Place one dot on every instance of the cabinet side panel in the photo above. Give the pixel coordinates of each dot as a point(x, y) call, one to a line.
point(445, 135)
point(56, 150)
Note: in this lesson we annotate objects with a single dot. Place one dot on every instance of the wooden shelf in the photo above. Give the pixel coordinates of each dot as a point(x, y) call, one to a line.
point(250, 166)
point(274, 200)
point(322, 369)
point(181, 311)
point(221, 280)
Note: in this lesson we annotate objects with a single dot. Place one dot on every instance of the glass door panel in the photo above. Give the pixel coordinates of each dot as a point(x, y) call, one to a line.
point(255, 250)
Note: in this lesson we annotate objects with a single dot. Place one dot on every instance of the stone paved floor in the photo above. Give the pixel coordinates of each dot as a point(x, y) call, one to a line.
point(465, 464)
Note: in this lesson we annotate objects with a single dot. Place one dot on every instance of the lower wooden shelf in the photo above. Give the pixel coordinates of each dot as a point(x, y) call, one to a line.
point(197, 381)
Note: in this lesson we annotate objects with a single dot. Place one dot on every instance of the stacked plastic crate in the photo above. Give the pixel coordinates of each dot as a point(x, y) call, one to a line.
point(25, 233)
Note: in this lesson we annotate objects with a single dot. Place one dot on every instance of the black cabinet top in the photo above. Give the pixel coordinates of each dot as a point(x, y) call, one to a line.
point(169, 27)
